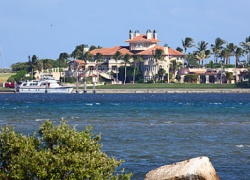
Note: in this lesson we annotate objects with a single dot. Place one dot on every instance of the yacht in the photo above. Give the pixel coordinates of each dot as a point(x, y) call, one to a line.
point(46, 84)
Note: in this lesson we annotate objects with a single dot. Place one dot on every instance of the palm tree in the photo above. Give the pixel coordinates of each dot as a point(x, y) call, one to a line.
point(187, 43)
point(98, 57)
point(137, 59)
point(158, 55)
point(62, 59)
point(117, 56)
point(238, 53)
point(87, 57)
point(200, 56)
point(224, 54)
point(217, 47)
point(33, 62)
point(246, 47)
point(230, 48)
point(126, 59)
point(202, 52)
point(179, 49)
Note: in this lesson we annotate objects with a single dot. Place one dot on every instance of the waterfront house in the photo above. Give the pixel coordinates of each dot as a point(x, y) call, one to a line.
point(144, 45)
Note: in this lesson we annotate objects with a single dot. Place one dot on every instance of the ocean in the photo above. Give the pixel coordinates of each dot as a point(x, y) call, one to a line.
point(148, 130)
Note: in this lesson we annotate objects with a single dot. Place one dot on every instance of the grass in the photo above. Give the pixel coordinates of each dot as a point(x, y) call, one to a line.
point(165, 85)
point(5, 76)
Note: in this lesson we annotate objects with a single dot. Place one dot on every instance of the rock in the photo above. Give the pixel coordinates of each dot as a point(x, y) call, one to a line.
point(199, 168)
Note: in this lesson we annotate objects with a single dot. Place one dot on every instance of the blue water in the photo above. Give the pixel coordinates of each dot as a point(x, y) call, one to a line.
point(148, 130)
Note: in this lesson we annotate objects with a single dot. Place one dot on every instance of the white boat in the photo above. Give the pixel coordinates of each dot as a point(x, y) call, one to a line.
point(46, 84)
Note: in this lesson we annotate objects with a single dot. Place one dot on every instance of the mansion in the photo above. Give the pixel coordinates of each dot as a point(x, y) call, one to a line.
point(144, 45)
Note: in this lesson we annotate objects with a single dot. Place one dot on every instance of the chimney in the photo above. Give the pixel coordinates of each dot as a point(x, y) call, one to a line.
point(131, 34)
point(166, 49)
point(149, 34)
point(154, 34)
point(137, 33)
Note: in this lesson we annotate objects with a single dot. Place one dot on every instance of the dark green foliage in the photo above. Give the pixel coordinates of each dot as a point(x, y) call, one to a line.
point(70, 79)
point(150, 81)
point(130, 71)
point(211, 78)
point(58, 153)
point(243, 85)
point(190, 78)
point(20, 66)
point(20, 76)
point(229, 75)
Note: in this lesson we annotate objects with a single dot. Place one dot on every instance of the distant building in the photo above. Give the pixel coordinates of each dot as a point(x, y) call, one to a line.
point(144, 45)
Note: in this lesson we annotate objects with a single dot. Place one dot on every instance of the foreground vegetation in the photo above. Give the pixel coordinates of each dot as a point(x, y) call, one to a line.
point(55, 153)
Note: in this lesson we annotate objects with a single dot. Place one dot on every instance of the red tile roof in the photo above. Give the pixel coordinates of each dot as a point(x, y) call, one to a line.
point(78, 61)
point(111, 51)
point(125, 50)
point(143, 38)
point(172, 52)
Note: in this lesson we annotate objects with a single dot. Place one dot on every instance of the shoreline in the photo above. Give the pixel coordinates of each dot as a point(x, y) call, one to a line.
point(151, 91)
point(168, 91)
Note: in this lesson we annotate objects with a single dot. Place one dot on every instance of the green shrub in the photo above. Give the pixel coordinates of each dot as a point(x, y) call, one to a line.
point(229, 75)
point(191, 78)
point(140, 81)
point(243, 85)
point(57, 153)
point(70, 79)
point(150, 81)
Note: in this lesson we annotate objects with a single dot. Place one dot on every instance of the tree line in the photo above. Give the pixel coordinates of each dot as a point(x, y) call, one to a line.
point(220, 49)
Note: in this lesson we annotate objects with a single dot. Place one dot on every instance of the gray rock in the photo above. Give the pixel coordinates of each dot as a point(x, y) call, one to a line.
point(199, 168)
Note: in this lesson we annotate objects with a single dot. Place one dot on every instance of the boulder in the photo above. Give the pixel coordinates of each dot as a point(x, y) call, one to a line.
point(199, 168)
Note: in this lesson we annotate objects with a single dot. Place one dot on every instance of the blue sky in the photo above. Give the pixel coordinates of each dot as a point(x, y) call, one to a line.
point(46, 28)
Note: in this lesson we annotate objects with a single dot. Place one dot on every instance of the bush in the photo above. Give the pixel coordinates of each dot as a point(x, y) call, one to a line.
point(191, 78)
point(57, 153)
point(70, 79)
point(140, 81)
point(150, 81)
point(243, 85)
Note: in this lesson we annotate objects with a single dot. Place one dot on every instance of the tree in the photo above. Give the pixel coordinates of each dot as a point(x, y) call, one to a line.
point(161, 73)
point(63, 58)
point(20, 66)
point(158, 55)
point(238, 53)
point(246, 46)
point(78, 52)
point(33, 64)
point(19, 76)
point(117, 56)
point(217, 47)
point(59, 152)
point(99, 58)
point(126, 59)
point(187, 43)
point(137, 59)
point(179, 49)
point(192, 61)
point(202, 52)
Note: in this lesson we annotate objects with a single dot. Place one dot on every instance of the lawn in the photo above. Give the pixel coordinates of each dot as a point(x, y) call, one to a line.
point(5, 76)
point(165, 85)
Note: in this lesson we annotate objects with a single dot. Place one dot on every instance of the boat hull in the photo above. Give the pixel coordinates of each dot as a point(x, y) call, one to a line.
point(62, 90)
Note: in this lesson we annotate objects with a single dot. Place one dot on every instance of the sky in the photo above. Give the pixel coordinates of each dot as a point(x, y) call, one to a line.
point(46, 28)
